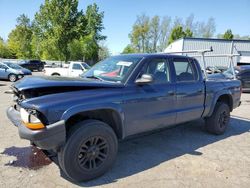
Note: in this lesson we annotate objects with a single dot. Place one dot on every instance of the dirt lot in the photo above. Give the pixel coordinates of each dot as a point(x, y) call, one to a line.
point(184, 156)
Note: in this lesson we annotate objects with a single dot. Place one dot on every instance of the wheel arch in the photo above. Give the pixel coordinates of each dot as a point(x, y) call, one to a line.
point(110, 116)
point(225, 97)
point(55, 74)
point(228, 99)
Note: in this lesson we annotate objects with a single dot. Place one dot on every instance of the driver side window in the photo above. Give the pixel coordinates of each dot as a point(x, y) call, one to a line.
point(159, 69)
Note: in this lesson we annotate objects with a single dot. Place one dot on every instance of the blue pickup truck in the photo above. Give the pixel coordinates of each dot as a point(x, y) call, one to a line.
point(82, 119)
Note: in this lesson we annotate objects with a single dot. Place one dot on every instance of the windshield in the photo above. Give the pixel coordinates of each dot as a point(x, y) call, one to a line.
point(13, 65)
point(115, 69)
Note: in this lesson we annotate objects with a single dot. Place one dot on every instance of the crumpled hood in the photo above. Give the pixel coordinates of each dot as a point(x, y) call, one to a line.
point(36, 82)
point(54, 104)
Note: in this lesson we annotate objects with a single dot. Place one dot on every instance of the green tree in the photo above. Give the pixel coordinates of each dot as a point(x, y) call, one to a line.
point(139, 35)
point(19, 39)
point(94, 19)
point(129, 50)
point(228, 35)
point(90, 49)
point(188, 33)
point(76, 51)
point(176, 33)
point(95, 22)
point(4, 51)
point(56, 25)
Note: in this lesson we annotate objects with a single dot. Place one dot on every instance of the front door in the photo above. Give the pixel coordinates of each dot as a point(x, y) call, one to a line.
point(151, 106)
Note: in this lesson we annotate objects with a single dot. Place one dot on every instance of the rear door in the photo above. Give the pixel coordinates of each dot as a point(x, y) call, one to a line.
point(190, 90)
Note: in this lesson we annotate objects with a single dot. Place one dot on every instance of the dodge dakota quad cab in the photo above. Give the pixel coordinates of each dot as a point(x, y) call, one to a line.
point(75, 69)
point(82, 119)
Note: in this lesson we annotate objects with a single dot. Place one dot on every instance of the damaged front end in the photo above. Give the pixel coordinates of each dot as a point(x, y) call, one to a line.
point(33, 125)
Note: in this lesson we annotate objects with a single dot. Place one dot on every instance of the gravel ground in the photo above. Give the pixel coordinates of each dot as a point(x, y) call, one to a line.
point(183, 156)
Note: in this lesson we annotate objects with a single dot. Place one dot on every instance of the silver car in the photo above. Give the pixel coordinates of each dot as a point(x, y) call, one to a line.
point(12, 71)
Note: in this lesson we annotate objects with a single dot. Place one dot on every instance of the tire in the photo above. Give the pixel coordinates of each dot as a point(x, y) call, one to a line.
point(89, 152)
point(12, 77)
point(40, 69)
point(218, 122)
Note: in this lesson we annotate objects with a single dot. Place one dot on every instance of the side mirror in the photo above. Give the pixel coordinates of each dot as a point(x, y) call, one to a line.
point(145, 79)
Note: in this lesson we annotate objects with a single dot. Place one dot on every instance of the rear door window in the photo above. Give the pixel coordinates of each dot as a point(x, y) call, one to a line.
point(184, 70)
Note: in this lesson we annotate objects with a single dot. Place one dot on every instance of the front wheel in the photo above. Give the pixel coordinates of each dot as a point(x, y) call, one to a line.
point(40, 69)
point(218, 122)
point(89, 152)
point(12, 77)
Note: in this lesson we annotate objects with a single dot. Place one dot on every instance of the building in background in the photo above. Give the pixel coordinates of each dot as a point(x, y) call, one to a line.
point(220, 46)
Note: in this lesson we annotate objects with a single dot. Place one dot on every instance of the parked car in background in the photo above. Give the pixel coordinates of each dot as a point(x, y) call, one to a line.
point(242, 74)
point(32, 64)
point(75, 69)
point(12, 71)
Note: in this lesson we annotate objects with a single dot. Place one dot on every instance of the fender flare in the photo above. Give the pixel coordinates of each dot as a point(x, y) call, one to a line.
point(101, 106)
point(216, 97)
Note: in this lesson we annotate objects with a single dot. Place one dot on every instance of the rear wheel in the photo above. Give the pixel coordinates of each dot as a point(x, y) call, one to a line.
point(12, 77)
point(89, 151)
point(218, 122)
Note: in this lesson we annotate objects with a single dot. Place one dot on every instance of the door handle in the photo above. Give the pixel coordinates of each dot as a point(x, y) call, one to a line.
point(200, 91)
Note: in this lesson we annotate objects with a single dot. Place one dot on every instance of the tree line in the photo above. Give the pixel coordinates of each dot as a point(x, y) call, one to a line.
point(156, 33)
point(59, 31)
